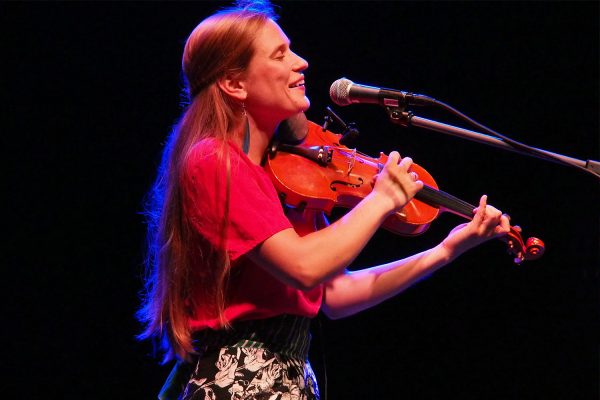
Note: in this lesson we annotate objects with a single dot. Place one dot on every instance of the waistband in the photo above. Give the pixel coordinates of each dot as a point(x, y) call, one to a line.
point(286, 334)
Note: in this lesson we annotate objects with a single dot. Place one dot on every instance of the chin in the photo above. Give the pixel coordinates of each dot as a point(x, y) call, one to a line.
point(306, 105)
point(297, 107)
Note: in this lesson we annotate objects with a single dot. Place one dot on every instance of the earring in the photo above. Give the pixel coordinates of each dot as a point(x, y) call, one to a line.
point(246, 144)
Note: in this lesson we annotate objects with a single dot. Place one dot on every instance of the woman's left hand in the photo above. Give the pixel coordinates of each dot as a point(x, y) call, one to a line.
point(488, 223)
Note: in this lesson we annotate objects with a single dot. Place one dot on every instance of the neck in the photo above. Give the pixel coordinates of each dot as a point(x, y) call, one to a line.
point(260, 136)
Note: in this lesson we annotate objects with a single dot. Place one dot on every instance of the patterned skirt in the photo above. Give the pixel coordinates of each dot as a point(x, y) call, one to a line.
point(261, 359)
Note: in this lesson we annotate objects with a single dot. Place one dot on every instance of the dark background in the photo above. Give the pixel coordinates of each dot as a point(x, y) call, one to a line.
point(93, 88)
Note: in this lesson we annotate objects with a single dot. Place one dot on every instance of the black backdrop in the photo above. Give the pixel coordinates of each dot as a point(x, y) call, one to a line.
point(93, 88)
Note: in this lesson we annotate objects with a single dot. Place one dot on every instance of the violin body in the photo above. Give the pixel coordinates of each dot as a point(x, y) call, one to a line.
point(320, 174)
point(343, 181)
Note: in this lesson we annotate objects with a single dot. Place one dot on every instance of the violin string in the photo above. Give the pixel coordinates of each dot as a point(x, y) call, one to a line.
point(437, 197)
point(429, 194)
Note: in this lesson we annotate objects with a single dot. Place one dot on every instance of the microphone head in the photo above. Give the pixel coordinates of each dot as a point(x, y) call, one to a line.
point(339, 92)
point(293, 130)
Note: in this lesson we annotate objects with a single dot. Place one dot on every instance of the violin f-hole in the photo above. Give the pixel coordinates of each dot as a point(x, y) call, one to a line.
point(358, 184)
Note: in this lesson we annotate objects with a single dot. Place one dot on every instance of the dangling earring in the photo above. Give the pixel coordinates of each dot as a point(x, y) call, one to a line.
point(246, 145)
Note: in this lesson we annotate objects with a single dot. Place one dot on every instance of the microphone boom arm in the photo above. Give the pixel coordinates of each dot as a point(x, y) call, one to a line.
point(403, 118)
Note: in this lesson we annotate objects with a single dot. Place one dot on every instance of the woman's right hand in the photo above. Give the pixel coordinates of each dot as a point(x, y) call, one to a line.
point(305, 260)
point(394, 186)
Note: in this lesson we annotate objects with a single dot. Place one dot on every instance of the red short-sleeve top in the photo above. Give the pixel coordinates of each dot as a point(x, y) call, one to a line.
point(255, 214)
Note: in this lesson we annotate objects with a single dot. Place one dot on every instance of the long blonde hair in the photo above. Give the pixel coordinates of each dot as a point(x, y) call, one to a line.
point(182, 270)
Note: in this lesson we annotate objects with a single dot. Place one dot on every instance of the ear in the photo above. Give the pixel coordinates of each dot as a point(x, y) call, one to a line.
point(234, 86)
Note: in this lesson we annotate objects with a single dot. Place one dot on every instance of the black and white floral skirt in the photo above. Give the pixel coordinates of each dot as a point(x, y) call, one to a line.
point(258, 360)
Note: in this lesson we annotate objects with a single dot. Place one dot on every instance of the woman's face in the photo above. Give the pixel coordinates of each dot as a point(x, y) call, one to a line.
point(274, 81)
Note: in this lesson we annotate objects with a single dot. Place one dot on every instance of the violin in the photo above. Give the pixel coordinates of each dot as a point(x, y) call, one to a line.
point(320, 173)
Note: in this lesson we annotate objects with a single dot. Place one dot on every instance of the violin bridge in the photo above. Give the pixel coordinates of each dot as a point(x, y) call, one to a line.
point(351, 161)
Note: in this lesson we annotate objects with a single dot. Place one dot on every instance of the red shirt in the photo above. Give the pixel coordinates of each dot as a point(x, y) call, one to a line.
point(255, 214)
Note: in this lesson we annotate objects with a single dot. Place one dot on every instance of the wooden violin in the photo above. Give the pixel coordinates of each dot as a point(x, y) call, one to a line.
point(320, 173)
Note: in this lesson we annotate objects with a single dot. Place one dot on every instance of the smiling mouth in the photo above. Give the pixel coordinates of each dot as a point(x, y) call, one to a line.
point(299, 84)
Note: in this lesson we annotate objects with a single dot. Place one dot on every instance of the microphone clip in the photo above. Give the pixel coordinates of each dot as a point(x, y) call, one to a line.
point(399, 116)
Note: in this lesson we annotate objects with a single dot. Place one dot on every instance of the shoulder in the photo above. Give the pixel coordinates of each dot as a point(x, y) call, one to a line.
point(205, 149)
point(212, 158)
point(212, 148)
point(208, 153)
point(202, 162)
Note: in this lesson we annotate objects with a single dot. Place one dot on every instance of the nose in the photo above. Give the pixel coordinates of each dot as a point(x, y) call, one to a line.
point(300, 64)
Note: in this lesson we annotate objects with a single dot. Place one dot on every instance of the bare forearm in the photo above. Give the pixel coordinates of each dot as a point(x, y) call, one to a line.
point(310, 260)
point(353, 292)
point(332, 249)
point(350, 293)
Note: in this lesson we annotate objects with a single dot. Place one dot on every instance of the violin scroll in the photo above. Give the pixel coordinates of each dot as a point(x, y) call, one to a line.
point(531, 249)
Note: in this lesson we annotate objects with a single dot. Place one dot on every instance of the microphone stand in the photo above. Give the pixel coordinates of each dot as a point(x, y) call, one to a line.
point(403, 118)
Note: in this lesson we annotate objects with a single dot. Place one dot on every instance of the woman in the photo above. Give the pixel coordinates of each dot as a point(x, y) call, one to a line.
point(234, 280)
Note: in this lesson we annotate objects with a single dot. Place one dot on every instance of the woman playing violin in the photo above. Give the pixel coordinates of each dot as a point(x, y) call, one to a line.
point(234, 279)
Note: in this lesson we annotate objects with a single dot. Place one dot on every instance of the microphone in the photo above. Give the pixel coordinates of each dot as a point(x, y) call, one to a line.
point(344, 92)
